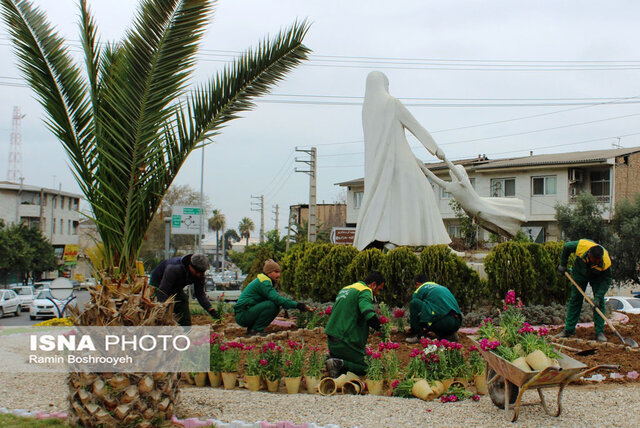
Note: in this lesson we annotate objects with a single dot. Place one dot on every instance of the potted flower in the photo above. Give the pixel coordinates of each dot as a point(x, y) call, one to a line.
point(230, 362)
point(374, 372)
point(478, 371)
point(215, 360)
point(315, 366)
point(272, 365)
point(252, 369)
point(390, 360)
point(385, 328)
point(293, 362)
point(398, 314)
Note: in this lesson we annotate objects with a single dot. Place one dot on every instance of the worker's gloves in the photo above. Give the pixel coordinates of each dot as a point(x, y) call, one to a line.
point(374, 323)
point(302, 307)
point(562, 269)
point(213, 313)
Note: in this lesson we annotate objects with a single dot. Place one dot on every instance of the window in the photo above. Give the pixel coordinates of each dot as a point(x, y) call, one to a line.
point(61, 202)
point(545, 185)
point(69, 226)
point(54, 226)
point(503, 187)
point(600, 185)
point(357, 199)
point(70, 203)
point(61, 227)
point(454, 231)
point(615, 304)
point(55, 202)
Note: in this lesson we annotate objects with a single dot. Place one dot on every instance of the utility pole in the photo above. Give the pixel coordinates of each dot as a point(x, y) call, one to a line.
point(276, 212)
point(259, 206)
point(313, 174)
point(14, 172)
point(289, 229)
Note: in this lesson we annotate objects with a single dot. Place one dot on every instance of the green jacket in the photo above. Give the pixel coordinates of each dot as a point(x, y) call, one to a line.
point(437, 302)
point(581, 271)
point(259, 290)
point(350, 313)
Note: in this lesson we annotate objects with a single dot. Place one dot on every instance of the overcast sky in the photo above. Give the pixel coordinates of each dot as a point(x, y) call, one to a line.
point(500, 78)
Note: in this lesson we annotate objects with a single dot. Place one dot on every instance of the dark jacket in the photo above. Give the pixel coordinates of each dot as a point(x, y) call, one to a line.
point(172, 275)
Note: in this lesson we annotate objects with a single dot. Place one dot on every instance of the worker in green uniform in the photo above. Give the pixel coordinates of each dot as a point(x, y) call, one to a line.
point(433, 308)
point(260, 303)
point(592, 266)
point(348, 326)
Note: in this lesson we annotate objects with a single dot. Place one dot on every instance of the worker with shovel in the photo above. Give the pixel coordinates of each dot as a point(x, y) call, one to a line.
point(592, 266)
point(348, 326)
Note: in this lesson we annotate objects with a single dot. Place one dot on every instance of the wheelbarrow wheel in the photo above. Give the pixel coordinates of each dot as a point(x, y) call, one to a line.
point(495, 385)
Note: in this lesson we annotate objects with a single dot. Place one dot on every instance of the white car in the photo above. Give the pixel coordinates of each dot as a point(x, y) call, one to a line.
point(43, 307)
point(629, 305)
point(25, 294)
point(9, 303)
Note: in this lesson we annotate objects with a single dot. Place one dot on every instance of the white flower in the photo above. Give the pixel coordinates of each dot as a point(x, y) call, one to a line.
point(429, 349)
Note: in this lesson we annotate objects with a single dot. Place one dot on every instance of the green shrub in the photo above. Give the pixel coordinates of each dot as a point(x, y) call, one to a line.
point(363, 263)
point(258, 263)
point(444, 267)
point(307, 269)
point(544, 273)
point(509, 266)
point(332, 272)
point(562, 290)
point(399, 268)
point(288, 267)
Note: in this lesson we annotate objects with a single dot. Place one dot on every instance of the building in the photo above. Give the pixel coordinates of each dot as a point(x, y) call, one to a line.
point(541, 181)
point(55, 212)
point(327, 215)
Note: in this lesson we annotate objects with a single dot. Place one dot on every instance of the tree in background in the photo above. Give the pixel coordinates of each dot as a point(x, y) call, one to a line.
point(468, 230)
point(128, 122)
point(583, 220)
point(25, 252)
point(216, 223)
point(625, 250)
point(230, 236)
point(245, 228)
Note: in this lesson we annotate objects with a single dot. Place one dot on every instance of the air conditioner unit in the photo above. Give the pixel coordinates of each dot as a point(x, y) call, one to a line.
point(575, 175)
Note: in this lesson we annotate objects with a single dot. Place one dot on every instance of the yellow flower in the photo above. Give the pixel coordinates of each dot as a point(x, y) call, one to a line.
point(55, 322)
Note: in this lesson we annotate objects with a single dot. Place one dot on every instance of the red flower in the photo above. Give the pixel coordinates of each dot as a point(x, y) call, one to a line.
point(376, 355)
point(398, 313)
point(510, 299)
point(428, 410)
point(223, 347)
point(487, 321)
point(476, 397)
point(543, 331)
point(473, 348)
point(394, 384)
point(383, 319)
point(381, 346)
point(328, 310)
point(435, 358)
point(453, 398)
point(444, 399)
point(248, 347)
point(288, 363)
point(414, 353)
point(263, 362)
point(369, 351)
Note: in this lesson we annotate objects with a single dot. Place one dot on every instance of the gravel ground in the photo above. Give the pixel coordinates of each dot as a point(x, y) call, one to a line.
point(589, 405)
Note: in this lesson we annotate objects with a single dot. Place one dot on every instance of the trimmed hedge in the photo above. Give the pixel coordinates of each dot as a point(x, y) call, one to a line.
point(332, 272)
point(399, 267)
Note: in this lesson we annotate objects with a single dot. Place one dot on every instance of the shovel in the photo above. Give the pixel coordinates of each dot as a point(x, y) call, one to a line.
point(628, 341)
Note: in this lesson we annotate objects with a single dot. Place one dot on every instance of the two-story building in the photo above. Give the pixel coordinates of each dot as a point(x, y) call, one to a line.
point(541, 181)
point(54, 211)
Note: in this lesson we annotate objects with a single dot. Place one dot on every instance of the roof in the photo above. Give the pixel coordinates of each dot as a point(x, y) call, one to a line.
point(6, 185)
point(483, 163)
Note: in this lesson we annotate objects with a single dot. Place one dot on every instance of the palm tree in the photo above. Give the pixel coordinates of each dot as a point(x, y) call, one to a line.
point(128, 124)
point(217, 223)
point(245, 228)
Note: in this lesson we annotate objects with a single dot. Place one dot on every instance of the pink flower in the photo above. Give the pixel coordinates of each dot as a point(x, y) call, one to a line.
point(444, 399)
point(543, 331)
point(519, 303)
point(398, 313)
point(414, 353)
point(453, 398)
point(476, 397)
point(263, 362)
point(288, 363)
point(376, 355)
point(381, 346)
point(223, 347)
point(369, 351)
point(328, 310)
point(510, 299)
point(248, 347)
point(487, 321)
point(425, 342)
point(632, 375)
point(383, 319)
point(473, 348)
point(394, 384)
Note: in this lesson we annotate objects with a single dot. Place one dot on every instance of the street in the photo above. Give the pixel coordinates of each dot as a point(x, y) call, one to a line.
point(82, 297)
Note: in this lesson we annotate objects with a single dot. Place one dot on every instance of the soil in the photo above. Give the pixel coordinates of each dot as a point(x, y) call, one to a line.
point(611, 352)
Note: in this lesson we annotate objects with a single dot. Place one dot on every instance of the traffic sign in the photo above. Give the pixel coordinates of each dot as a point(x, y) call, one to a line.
point(186, 220)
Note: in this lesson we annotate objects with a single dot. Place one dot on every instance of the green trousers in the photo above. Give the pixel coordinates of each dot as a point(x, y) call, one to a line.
point(259, 316)
point(599, 288)
point(353, 358)
point(444, 327)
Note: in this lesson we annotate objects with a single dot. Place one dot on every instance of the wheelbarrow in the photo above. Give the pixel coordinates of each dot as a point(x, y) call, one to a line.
point(507, 383)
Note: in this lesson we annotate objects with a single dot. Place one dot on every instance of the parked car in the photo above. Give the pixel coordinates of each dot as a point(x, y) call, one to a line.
point(216, 292)
point(629, 305)
point(43, 307)
point(88, 283)
point(636, 294)
point(25, 294)
point(9, 303)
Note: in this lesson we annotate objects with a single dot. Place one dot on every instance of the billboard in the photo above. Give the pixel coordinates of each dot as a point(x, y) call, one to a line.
point(343, 235)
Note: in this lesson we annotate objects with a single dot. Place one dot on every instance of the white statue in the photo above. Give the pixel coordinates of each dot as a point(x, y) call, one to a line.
point(499, 215)
point(398, 206)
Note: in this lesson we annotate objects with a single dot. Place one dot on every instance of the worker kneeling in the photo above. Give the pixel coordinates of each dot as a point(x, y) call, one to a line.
point(348, 326)
point(260, 303)
point(433, 308)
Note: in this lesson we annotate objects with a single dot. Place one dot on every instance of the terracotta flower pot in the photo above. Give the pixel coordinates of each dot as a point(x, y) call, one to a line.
point(437, 387)
point(292, 384)
point(229, 379)
point(481, 384)
point(312, 384)
point(214, 379)
point(353, 387)
point(422, 390)
point(273, 385)
point(327, 386)
point(200, 379)
point(188, 378)
point(538, 360)
point(521, 363)
point(375, 386)
point(342, 379)
point(447, 383)
point(252, 382)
